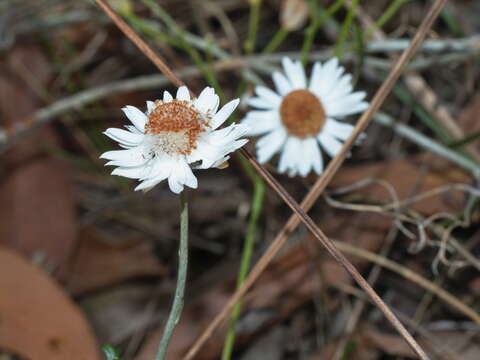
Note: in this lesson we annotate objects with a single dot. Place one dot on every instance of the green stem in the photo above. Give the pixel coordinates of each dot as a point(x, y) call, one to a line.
point(257, 204)
point(177, 305)
point(276, 40)
point(347, 24)
point(315, 24)
point(254, 17)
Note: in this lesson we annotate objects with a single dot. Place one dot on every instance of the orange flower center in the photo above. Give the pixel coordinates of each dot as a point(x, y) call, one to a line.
point(302, 113)
point(175, 126)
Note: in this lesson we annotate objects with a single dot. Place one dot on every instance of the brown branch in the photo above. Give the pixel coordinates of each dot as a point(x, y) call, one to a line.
point(331, 169)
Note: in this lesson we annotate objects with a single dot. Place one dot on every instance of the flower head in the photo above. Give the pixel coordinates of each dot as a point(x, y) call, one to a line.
point(173, 137)
point(300, 116)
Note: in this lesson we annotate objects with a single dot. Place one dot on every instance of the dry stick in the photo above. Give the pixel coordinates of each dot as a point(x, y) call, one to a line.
point(323, 181)
point(334, 164)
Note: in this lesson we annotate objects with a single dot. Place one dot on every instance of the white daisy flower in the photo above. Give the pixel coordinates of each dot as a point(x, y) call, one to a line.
point(300, 116)
point(173, 137)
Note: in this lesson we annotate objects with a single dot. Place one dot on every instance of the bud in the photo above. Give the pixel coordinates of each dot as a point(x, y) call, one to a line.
point(293, 14)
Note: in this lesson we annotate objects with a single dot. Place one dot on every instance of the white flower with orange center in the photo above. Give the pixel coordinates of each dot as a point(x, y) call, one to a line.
point(173, 137)
point(301, 117)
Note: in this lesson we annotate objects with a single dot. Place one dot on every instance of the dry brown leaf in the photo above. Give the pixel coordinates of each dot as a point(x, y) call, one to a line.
point(37, 211)
point(37, 319)
point(99, 262)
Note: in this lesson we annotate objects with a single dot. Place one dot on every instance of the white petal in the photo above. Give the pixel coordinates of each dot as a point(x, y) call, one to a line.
point(175, 186)
point(124, 137)
point(313, 152)
point(159, 171)
point(132, 157)
point(261, 122)
point(270, 144)
point(224, 113)
point(268, 95)
point(338, 129)
point(189, 179)
point(325, 77)
point(167, 97)
point(315, 78)
point(183, 94)
point(213, 146)
point(181, 175)
point(282, 84)
point(260, 103)
point(343, 87)
point(289, 156)
point(133, 129)
point(130, 172)
point(347, 105)
point(295, 73)
point(147, 184)
point(331, 145)
point(305, 160)
point(207, 100)
point(150, 107)
point(138, 118)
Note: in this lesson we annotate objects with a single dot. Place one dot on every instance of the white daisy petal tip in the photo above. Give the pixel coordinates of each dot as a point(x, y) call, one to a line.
point(177, 139)
point(167, 97)
point(183, 93)
point(302, 109)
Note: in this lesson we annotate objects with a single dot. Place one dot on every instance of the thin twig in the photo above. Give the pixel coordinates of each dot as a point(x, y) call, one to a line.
point(323, 181)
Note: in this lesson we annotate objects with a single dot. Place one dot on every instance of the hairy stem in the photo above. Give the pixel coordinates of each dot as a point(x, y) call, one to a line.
point(177, 305)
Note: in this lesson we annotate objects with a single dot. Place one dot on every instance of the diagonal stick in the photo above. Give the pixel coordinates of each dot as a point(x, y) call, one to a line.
point(323, 181)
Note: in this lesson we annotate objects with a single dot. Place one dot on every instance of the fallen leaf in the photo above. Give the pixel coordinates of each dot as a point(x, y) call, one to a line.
point(101, 262)
point(38, 210)
point(37, 320)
